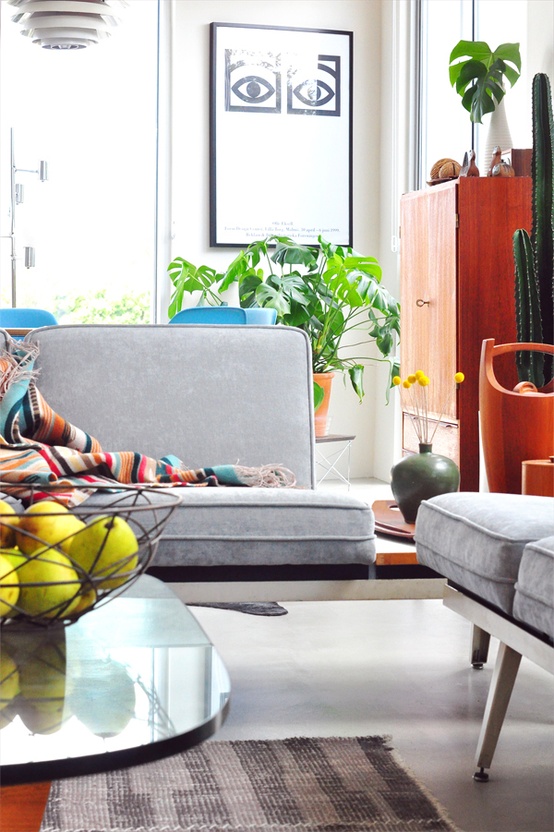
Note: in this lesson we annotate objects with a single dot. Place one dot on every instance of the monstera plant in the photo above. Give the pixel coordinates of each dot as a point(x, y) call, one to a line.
point(480, 75)
point(331, 292)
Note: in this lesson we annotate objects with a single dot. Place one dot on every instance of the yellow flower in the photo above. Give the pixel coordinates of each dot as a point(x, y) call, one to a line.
point(424, 421)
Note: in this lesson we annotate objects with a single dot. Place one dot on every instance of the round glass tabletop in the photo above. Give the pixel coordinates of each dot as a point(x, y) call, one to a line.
point(132, 681)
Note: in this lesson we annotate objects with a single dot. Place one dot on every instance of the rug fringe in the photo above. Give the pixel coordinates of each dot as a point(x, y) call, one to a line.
point(266, 476)
point(14, 365)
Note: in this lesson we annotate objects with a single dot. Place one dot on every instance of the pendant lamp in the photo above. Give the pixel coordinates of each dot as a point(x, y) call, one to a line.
point(67, 24)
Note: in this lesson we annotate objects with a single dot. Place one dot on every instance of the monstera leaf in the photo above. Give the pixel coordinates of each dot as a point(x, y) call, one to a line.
point(479, 74)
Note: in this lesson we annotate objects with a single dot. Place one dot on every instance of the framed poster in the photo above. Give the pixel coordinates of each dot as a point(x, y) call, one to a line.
point(280, 134)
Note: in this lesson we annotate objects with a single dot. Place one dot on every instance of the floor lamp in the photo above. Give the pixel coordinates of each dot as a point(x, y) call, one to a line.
point(16, 198)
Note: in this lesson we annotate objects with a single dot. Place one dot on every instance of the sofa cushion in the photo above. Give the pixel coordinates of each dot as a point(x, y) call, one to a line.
point(210, 395)
point(477, 540)
point(534, 598)
point(264, 526)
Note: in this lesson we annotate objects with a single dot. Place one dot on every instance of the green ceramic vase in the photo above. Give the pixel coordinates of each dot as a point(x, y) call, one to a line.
point(422, 476)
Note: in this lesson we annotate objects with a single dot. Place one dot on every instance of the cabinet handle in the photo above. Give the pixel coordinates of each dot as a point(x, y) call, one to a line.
point(421, 302)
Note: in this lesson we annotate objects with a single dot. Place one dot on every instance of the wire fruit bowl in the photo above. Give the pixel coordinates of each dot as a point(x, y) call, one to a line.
point(59, 563)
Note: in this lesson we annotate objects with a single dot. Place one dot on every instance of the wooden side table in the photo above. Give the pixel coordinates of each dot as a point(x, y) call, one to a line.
point(400, 549)
point(537, 477)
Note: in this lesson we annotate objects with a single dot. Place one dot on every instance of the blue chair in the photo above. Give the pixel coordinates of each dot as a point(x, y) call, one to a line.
point(258, 315)
point(224, 315)
point(20, 319)
point(210, 315)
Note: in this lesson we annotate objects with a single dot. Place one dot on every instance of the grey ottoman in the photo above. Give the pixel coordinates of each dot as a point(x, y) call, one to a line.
point(497, 553)
point(477, 540)
point(534, 597)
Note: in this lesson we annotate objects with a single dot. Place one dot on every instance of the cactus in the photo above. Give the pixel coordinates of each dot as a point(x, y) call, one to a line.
point(534, 256)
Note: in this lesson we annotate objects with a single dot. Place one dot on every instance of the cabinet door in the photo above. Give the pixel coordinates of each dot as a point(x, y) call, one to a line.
point(428, 293)
point(490, 210)
point(457, 289)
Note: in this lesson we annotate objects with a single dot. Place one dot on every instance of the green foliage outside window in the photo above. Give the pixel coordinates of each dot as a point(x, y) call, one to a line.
point(100, 308)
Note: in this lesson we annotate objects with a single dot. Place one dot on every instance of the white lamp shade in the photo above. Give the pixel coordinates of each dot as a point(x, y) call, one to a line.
point(67, 24)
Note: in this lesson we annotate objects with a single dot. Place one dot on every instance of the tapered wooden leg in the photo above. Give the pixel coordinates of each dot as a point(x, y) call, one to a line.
point(502, 684)
point(480, 641)
point(22, 807)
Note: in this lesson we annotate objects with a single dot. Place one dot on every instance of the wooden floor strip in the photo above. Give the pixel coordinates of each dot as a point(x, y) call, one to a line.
point(22, 807)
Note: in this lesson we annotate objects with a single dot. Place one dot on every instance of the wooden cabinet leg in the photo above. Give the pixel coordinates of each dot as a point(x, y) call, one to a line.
point(502, 683)
point(480, 641)
point(22, 807)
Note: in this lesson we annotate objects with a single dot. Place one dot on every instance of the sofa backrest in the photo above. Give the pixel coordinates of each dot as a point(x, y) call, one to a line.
point(208, 394)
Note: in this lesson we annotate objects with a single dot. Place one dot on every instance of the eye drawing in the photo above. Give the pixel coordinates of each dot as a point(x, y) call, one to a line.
point(313, 93)
point(313, 87)
point(256, 89)
point(252, 82)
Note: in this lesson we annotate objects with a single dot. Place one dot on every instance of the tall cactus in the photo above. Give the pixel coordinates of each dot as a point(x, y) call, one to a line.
point(534, 256)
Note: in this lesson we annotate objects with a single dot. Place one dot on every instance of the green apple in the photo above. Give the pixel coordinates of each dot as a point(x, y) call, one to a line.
point(14, 555)
point(106, 548)
point(86, 599)
point(42, 676)
point(42, 705)
point(104, 699)
point(49, 585)
point(8, 524)
point(41, 721)
point(9, 588)
point(8, 714)
point(9, 679)
point(50, 522)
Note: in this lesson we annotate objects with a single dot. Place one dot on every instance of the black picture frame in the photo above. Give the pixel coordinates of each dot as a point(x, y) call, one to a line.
point(280, 134)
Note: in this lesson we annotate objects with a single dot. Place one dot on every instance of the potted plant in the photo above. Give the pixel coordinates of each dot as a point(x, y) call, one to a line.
point(479, 74)
point(480, 77)
point(328, 291)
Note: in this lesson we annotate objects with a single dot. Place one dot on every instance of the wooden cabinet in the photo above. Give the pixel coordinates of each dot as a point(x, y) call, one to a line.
point(457, 289)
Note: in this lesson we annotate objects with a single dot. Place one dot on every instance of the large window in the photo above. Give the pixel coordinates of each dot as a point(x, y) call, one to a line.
point(91, 114)
point(446, 129)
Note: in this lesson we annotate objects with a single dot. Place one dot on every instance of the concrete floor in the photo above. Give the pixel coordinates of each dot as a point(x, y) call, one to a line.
point(397, 667)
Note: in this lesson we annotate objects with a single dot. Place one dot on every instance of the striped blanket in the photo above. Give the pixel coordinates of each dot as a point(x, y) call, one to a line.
point(40, 447)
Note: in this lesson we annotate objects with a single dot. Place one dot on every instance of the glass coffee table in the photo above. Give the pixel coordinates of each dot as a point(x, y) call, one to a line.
point(130, 682)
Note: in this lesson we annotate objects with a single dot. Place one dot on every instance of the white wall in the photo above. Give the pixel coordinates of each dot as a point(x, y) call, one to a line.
point(191, 152)
point(376, 157)
point(540, 34)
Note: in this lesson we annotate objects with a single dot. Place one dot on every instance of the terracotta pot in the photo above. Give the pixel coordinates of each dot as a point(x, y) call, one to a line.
point(516, 425)
point(322, 413)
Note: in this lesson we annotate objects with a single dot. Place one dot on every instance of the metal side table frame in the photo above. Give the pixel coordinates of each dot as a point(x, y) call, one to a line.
point(328, 460)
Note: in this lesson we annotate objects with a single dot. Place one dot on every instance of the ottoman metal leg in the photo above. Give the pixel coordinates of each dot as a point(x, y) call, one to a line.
point(480, 641)
point(502, 683)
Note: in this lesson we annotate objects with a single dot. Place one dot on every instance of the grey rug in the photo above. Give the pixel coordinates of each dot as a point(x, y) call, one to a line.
point(292, 785)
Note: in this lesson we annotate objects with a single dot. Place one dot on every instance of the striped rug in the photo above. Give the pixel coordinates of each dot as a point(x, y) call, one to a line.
point(293, 785)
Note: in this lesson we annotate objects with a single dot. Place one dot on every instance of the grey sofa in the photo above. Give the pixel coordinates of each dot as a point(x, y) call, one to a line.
point(214, 395)
point(497, 553)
